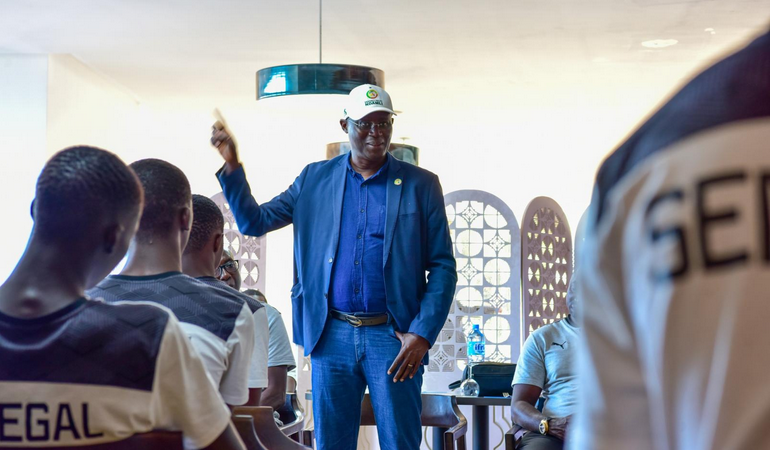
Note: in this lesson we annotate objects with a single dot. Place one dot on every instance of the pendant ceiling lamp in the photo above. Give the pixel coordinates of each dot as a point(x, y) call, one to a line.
point(299, 79)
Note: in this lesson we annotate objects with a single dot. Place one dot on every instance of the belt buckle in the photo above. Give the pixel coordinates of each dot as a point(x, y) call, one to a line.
point(354, 321)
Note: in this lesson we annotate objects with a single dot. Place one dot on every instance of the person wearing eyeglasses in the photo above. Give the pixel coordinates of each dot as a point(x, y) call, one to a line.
point(368, 228)
point(228, 270)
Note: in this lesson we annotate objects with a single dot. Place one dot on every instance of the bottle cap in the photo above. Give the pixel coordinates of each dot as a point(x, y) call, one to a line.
point(475, 327)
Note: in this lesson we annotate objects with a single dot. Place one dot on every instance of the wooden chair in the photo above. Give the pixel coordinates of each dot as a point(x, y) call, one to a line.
point(514, 436)
point(245, 426)
point(268, 434)
point(437, 411)
point(442, 411)
point(154, 440)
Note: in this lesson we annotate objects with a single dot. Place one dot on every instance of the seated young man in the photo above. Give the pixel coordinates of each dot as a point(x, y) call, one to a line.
point(546, 368)
point(201, 259)
point(280, 357)
point(75, 371)
point(219, 324)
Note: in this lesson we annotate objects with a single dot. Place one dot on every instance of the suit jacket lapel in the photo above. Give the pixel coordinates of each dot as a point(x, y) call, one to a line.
point(393, 194)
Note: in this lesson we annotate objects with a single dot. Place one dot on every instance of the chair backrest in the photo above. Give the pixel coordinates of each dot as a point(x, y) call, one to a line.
point(292, 385)
point(440, 411)
point(267, 432)
point(154, 440)
point(246, 429)
point(437, 411)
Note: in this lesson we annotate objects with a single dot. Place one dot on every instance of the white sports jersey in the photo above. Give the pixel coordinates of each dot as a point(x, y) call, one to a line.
point(258, 369)
point(94, 373)
point(674, 274)
point(219, 324)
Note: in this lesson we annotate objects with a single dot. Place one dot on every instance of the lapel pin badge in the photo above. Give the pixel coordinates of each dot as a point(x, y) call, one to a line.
point(398, 181)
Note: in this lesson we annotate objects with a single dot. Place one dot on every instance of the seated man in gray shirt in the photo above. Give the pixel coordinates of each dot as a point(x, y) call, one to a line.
point(546, 368)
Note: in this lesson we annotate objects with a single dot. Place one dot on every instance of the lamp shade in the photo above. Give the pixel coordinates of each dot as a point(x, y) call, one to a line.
point(300, 79)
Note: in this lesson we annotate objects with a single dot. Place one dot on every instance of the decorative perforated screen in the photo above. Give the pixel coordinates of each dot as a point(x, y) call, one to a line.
point(249, 250)
point(547, 263)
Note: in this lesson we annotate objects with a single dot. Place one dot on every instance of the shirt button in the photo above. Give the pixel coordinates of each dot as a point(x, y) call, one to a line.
point(356, 290)
point(325, 295)
point(329, 260)
point(361, 210)
point(356, 263)
point(359, 236)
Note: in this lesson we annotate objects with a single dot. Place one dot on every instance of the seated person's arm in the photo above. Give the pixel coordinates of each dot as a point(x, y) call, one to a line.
point(227, 440)
point(255, 396)
point(524, 413)
point(275, 394)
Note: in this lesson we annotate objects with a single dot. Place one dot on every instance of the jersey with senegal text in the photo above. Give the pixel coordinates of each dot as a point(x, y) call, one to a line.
point(219, 325)
point(95, 372)
point(258, 371)
point(674, 274)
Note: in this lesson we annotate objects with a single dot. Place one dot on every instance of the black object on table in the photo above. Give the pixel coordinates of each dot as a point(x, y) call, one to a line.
point(480, 416)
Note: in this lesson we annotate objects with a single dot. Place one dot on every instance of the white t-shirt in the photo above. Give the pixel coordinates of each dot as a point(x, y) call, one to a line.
point(279, 348)
point(674, 274)
point(547, 361)
point(95, 373)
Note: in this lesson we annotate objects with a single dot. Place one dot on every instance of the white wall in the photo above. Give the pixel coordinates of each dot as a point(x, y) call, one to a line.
point(23, 85)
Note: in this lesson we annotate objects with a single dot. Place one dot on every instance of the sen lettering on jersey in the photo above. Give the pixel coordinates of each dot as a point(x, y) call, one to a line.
point(40, 422)
point(714, 216)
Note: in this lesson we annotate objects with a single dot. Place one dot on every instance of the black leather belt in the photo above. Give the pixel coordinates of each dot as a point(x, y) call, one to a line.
point(360, 321)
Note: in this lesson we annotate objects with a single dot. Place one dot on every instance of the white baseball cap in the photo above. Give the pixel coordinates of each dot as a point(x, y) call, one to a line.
point(366, 99)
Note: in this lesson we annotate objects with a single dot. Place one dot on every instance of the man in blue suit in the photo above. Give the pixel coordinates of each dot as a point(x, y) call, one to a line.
point(374, 272)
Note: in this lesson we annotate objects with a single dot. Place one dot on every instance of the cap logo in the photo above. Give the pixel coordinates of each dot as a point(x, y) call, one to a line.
point(372, 93)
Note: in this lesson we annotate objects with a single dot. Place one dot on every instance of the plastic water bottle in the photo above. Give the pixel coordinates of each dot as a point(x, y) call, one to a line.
point(475, 346)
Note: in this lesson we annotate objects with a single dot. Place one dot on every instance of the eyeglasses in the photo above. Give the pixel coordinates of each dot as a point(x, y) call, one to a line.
point(363, 125)
point(231, 266)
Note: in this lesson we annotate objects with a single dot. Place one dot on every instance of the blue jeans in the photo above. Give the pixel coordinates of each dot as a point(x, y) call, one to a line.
point(344, 362)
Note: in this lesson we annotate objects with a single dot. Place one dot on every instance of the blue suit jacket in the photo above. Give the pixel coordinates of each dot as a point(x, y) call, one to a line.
point(416, 241)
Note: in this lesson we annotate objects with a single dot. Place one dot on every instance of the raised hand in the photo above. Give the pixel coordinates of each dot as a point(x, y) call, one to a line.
point(226, 145)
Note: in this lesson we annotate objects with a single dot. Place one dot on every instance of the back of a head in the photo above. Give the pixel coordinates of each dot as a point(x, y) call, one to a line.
point(207, 221)
point(167, 190)
point(79, 189)
point(255, 293)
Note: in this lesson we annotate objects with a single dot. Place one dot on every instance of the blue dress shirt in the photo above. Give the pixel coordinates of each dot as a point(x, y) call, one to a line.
point(357, 278)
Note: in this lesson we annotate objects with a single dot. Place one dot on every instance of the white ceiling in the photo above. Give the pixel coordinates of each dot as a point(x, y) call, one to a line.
point(183, 49)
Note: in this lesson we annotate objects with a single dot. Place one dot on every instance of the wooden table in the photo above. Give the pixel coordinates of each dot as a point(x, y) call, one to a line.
point(480, 419)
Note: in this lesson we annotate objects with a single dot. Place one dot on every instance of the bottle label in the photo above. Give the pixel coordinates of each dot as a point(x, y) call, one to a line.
point(475, 348)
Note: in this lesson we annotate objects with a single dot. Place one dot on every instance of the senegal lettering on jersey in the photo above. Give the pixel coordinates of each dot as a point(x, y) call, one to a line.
point(674, 275)
point(95, 373)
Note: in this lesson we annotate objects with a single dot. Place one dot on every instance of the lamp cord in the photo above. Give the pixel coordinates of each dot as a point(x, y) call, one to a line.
point(320, 31)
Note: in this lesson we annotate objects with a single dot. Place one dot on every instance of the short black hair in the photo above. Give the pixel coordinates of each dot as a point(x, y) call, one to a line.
point(167, 190)
point(79, 187)
point(207, 220)
point(254, 293)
